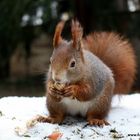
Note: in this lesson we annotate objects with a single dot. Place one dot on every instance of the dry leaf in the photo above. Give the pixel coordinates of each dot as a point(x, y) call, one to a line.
point(56, 135)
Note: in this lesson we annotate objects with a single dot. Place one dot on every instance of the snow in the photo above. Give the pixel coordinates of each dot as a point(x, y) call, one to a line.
point(124, 118)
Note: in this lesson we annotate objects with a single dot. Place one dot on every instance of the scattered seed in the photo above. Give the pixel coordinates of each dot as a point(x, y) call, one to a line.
point(68, 138)
point(45, 138)
point(113, 130)
point(97, 132)
point(117, 136)
point(85, 125)
point(14, 118)
point(82, 136)
point(26, 135)
point(1, 114)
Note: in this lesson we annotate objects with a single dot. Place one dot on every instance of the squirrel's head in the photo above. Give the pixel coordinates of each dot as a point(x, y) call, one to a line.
point(67, 58)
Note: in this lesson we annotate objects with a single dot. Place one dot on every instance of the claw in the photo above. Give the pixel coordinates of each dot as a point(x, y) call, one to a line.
point(98, 122)
point(49, 119)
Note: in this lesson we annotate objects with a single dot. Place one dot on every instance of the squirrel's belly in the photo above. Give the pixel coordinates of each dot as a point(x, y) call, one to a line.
point(74, 107)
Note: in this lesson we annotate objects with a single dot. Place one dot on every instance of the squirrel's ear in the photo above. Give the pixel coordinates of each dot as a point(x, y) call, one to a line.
point(77, 34)
point(57, 36)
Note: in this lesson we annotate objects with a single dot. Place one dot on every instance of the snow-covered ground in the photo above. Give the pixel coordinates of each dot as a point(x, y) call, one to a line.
point(124, 118)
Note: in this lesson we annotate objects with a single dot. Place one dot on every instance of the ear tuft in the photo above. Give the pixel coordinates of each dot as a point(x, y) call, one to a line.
point(77, 33)
point(57, 36)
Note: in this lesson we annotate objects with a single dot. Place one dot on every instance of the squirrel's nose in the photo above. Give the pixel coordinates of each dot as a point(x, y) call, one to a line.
point(56, 78)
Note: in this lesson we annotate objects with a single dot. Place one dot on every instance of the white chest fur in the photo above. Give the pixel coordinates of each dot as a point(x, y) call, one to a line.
point(74, 107)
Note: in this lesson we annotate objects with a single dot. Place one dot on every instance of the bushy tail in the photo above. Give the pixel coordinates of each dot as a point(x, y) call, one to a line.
point(117, 53)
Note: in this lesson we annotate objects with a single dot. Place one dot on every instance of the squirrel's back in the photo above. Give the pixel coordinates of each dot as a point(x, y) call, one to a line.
point(96, 72)
point(117, 53)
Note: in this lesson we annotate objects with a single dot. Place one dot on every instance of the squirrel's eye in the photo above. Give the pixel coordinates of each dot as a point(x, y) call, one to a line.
point(72, 64)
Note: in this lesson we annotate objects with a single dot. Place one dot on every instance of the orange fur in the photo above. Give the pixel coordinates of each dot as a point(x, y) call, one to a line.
point(77, 32)
point(79, 89)
point(57, 36)
point(117, 53)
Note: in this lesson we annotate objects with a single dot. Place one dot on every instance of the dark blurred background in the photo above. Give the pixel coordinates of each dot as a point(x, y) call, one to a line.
point(26, 32)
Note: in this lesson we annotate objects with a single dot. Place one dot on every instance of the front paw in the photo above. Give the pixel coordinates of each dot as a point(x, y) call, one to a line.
point(70, 91)
point(53, 92)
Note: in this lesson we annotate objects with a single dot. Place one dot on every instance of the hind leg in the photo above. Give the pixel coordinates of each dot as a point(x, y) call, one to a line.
point(96, 117)
point(101, 106)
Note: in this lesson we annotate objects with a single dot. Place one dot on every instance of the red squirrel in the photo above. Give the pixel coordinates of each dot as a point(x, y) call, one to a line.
point(85, 73)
